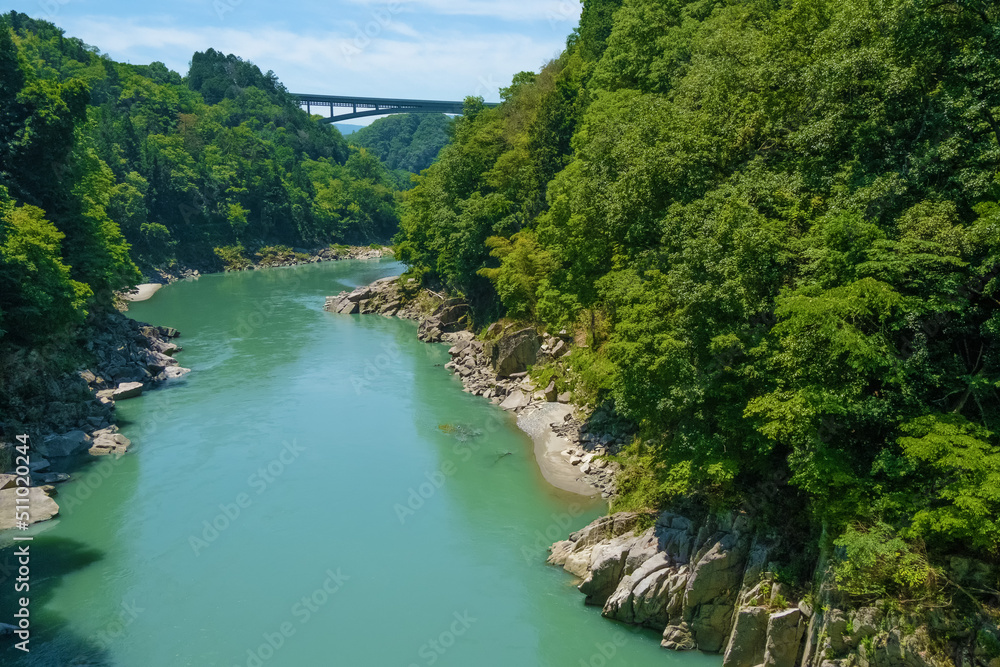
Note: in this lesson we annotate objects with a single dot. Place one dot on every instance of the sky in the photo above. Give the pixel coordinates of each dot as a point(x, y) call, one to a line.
point(420, 49)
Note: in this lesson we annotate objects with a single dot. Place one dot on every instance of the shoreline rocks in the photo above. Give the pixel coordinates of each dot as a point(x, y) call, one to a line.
point(710, 584)
point(496, 369)
point(166, 276)
point(75, 415)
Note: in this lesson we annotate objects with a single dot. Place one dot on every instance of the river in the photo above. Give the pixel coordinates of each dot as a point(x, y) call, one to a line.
point(318, 491)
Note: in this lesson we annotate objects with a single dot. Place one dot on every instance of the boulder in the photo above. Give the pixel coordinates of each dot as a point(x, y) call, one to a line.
point(514, 352)
point(157, 361)
point(559, 349)
point(865, 622)
point(748, 639)
point(716, 573)
point(678, 638)
point(174, 372)
point(127, 390)
point(430, 330)
point(564, 397)
point(784, 634)
point(550, 392)
point(459, 347)
point(110, 443)
point(641, 597)
point(515, 400)
point(67, 444)
point(42, 507)
point(607, 565)
point(453, 316)
point(836, 629)
point(574, 554)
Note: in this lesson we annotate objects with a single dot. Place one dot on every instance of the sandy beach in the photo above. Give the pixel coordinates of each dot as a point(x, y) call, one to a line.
point(555, 467)
point(142, 292)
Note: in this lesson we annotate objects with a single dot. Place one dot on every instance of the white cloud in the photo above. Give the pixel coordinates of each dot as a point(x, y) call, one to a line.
point(443, 65)
point(561, 11)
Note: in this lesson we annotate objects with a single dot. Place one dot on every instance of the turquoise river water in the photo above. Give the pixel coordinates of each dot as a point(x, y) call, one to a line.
point(318, 491)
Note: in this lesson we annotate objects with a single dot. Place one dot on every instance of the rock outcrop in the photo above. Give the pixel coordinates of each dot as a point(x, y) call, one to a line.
point(708, 585)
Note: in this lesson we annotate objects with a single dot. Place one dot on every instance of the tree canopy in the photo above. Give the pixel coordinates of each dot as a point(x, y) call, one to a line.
point(775, 224)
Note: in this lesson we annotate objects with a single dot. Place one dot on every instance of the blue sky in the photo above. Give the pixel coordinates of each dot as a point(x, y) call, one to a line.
point(429, 49)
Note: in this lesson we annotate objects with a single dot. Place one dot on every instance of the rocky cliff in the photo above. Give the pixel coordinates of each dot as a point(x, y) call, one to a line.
point(711, 585)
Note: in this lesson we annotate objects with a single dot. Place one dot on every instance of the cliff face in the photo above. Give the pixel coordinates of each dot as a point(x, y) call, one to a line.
point(708, 585)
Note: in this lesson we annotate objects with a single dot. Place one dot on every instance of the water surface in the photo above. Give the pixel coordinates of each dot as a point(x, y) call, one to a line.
point(318, 491)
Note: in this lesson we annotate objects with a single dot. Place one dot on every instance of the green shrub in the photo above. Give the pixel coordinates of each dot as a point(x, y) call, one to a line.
point(279, 254)
point(232, 257)
point(875, 563)
point(989, 643)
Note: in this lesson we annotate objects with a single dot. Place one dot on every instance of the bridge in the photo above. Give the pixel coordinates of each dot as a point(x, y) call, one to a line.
point(361, 107)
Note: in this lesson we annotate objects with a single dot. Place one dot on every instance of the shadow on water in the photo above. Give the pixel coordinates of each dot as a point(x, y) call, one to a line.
point(52, 643)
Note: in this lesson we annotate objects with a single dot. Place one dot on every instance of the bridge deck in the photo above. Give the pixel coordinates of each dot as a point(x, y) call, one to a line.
point(375, 106)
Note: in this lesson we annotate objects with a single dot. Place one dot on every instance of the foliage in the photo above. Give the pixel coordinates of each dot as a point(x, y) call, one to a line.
point(38, 299)
point(966, 468)
point(275, 255)
point(233, 257)
point(877, 563)
point(777, 228)
point(405, 142)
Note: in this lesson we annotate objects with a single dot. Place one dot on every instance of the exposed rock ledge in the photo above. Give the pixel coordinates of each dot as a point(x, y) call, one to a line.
point(708, 585)
point(78, 417)
point(496, 369)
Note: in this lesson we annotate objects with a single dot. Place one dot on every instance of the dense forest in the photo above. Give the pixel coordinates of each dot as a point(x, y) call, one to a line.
point(405, 143)
point(775, 228)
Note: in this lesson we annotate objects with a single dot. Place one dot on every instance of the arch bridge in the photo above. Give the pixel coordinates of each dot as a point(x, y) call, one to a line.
point(361, 107)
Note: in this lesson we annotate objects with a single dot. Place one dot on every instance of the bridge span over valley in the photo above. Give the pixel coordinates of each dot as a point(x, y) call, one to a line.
point(360, 107)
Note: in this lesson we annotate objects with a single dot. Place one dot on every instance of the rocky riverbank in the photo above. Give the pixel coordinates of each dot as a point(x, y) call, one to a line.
point(71, 415)
point(158, 277)
point(495, 367)
point(710, 584)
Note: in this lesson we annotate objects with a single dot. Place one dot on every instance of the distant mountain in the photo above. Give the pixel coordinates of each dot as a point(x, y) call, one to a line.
point(347, 129)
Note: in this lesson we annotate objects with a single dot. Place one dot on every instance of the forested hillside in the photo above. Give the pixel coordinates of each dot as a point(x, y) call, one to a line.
point(774, 227)
point(108, 168)
point(406, 143)
point(181, 165)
